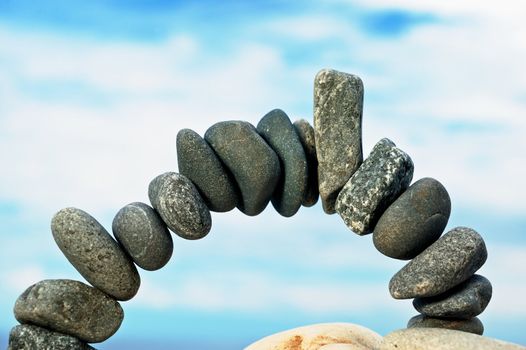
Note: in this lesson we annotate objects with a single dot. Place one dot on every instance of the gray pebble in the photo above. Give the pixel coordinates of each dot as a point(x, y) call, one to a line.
point(381, 178)
point(473, 325)
point(70, 307)
point(277, 130)
point(254, 165)
point(306, 135)
point(144, 235)
point(198, 162)
point(464, 301)
point(338, 103)
point(451, 260)
point(415, 220)
point(180, 205)
point(30, 337)
point(95, 254)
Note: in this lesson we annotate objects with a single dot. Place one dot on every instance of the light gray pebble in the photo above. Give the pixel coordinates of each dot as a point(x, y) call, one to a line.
point(30, 337)
point(473, 325)
point(306, 135)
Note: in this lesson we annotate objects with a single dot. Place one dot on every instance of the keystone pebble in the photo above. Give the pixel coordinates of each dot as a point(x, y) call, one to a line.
point(306, 135)
point(30, 337)
point(473, 325)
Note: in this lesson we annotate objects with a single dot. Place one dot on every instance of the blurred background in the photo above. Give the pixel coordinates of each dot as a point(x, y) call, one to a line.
point(92, 94)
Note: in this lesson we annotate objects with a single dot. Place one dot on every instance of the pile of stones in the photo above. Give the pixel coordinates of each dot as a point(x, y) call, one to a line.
point(287, 164)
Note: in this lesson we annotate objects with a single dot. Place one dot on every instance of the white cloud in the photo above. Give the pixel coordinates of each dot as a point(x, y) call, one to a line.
point(20, 278)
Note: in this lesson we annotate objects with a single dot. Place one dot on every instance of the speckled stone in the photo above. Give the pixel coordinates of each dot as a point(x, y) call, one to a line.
point(449, 261)
point(144, 235)
point(198, 162)
point(180, 205)
point(279, 133)
point(414, 221)
point(473, 325)
point(381, 178)
point(306, 135)
point(95, 254)
point(338, 104)
point(465, 301)
point(70, 307)
point(254, 165)
point(30, 337)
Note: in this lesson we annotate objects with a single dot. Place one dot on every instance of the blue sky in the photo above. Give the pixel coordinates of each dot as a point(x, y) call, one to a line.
point(93, 93)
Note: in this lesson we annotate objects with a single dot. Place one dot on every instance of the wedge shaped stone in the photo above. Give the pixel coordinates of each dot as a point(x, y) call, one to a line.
point(306, 135)
point(472, 325)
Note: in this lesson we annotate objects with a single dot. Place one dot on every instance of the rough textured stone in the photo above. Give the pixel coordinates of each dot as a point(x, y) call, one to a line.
point(30, 337)
point(415, 220)
point(254, 165)
point(306, 135)
point(338, 104)
point(180, 205)
point(198, 162)
point(144, 235)
point(95, 254)
point(381, 178)
point(466, 300)
point(70, 307)
point(449, 261)
point(472, 325)
point(277, 130)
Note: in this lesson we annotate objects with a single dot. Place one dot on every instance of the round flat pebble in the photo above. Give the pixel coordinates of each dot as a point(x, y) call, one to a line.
point(144, 235)
point(30, 337)
point(254, 165)
point(198, 162)
point(306, 135)
point(95, 254)
point(180, 205)
point(70, 307)
point(466, 300)
point(473, 325)
point(414, 221)
point(277, 130)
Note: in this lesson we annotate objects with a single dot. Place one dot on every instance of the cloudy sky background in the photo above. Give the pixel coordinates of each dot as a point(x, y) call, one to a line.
point(93, 93)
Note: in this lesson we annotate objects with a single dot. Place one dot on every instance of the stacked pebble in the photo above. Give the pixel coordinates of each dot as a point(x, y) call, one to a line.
point(289, 164)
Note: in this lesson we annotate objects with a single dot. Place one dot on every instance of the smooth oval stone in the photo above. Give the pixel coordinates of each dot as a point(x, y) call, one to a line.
point(70, 307)
point(95, 254)
point(180, 205)
point(472, 325)
point(306, 136)
point(144, 235)
point(30, 337)
point(254, 165)
point(414, 221)
point(277, 130)
point(198, 162)
point(381, 178)
point(451, 260)
point(466, 300)
point(338, 105)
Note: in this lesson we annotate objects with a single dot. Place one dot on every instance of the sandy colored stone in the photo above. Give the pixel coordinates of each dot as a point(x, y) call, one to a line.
point(306, 135)
point(31, 337)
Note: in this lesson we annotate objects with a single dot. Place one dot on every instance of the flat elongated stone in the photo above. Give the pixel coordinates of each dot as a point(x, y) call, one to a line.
point(338, 104)
point(306, 135)
point(466, 300)
point(30, 337)
point(254, 165)
point(277, 130)
point(70, 307)
point(381, 178)
point(144, 235)
point(449, 261)
point(95, 254)
point(415, 220)
point(472, 325)
point(198, 162)
point(180, 205)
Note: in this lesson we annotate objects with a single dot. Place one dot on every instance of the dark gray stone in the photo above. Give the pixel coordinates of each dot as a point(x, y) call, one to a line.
point(381, 178)
point(254, 165)
point(338, 103)
point(198, 162)
point(414, 221)
point(30, 337)
point(70, 307)
point(451, 260)
point(180, 205)
point(306, 135)
point(473, 325)
point(277, 130)
point(464, 301)
point(144, 235)
point(95, 254)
